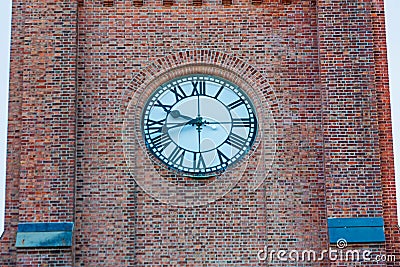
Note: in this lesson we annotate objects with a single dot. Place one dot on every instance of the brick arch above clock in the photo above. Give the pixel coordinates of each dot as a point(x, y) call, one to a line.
point(211, 62)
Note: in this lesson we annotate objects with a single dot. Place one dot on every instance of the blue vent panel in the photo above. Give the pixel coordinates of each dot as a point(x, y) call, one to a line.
point(36, 235)
point(356, 230)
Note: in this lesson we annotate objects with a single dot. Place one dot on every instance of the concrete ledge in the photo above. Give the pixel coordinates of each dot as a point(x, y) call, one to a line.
point(356, 230)
point(36, 235)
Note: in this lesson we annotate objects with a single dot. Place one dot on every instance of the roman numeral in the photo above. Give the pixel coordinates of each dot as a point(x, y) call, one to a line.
point(177, 155)
point(155, 126)
point(236, 141)
point(198, 161)
point(161, 141)
point(166, 108)
point(219, 92)
point(199, 88)
point(222, 157)
point(241, 122)
point(178, 91)
point(235, 104)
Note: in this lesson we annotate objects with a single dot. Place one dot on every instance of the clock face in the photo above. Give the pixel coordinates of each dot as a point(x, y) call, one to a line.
point(199, 124)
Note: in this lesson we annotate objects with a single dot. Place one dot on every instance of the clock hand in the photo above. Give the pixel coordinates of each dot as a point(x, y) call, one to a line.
point(198, 105)
point(176, 114)
point(217, 122)
point(199, 131)
point(166, 128)
point(244, 122)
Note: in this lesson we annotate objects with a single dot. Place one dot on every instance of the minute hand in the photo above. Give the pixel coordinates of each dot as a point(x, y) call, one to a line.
point(165, 128)
point(217, 122)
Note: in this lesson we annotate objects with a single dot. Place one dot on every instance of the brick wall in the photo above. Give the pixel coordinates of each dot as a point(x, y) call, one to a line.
point(118, 42)
point(351, 109)
point(318, 67)
point(41, 151)
point(385, 131)
point(8, 252)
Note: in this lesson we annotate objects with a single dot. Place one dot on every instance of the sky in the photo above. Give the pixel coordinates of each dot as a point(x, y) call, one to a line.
point(5, 16)
point(392, 11)
point(392, 8)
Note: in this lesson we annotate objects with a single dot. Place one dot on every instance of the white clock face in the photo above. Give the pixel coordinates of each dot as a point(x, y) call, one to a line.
point(199, 124)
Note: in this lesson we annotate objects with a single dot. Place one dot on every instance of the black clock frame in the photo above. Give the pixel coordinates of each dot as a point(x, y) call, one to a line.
point(149, 127)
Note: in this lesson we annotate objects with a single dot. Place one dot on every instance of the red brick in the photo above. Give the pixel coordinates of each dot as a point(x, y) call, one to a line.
point(318, 68)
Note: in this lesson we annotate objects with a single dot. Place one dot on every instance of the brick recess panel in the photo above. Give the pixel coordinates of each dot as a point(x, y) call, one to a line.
point(7, 241)
point(41, 144)
point(381, 80)
point(357, 127)
point(326, 62)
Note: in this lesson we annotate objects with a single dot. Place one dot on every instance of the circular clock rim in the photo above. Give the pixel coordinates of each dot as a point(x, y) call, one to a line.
point(219, 168)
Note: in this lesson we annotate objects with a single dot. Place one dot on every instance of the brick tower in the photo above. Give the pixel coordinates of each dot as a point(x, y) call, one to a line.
point(84, 190)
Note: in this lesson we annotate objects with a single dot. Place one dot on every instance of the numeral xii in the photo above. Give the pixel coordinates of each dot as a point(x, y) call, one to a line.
point(199, 88)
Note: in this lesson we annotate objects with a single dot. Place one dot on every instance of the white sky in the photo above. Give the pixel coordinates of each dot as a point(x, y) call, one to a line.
point(5, 15)
point(393, 36)
point(392, 9)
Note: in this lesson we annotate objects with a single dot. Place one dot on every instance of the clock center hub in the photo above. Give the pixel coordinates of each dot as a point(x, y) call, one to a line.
point(198, 112)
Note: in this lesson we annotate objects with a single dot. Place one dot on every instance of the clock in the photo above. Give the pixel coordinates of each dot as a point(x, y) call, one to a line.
point(199, 125)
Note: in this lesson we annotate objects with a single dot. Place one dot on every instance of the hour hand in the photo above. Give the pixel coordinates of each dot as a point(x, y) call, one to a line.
point(176, 114)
